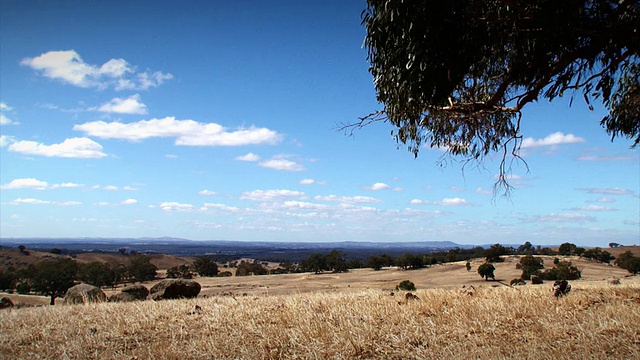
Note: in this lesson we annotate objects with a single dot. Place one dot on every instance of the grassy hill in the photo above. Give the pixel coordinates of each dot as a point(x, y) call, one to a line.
point(596, 320)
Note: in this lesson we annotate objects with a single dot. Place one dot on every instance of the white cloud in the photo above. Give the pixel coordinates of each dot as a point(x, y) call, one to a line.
point(417, 202)
point(6, 140)
point(129, 202)
point(69, 148)
point(67, 203)
point(171, 156)
point(28, 183)
point(186, 132)
point(347, 199)
point(556, 138)
point(608, 191)
point(4, 120)
point(130, 105)
point(562, 217)
point(32, 201)
point(207, 192)
point(483, 191)
point(68, 66)
point(209, 206)
point(5, 107)
point(175, 206)
point(282, 164)
point(452, 202)
point(113, 188)
point(594, 208)
point(306, 182)
point(378, 186)
point(269, 195)
point(248, 157)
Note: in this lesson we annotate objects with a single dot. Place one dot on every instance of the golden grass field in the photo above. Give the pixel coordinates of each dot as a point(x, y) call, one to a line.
point(347, 316)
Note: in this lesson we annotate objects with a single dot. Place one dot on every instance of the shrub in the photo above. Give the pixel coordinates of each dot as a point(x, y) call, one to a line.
point(564, 270)
point(224, 274)
point(179, 272)
point(530, 265)
point(23, 288)
point(406, 285)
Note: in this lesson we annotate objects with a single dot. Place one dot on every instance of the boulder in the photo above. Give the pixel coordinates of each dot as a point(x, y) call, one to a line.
point(175, 289)
point(6, 302)
point(83, 294)
point(122, 297)
point(139, 292)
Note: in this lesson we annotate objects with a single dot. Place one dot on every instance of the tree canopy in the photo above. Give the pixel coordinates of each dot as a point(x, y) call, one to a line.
point(457, 74)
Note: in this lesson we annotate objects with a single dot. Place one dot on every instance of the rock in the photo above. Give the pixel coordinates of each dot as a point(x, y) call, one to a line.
point(6, 302)
point(139, 292)
point(535, 280)
point(175, 289)
point(83, 294)
point(561, 288)
point(614, 281)
point(410, 296)
point(122, 297)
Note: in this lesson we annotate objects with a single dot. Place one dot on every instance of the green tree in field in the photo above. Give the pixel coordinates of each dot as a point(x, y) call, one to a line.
point(205, 266)
point(598, 254)
point(406, 285)
point(375, 262)
point(567, 249)
point(336, 261)
point(457, 74)
point(141, 269)
point(97, 274)
point(52, 277)
point(315, 262)
point(493, 253)
point(627, 261)
point(409, 261)
point(530, 265)
point(8, 280)
point(468, 266)
point(180, 272)
point(246, 268)
point(563, 270)
point(486, 271)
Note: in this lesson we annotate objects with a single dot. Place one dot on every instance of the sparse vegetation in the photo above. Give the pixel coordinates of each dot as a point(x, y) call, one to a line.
point(406, 285)
point(486, 271)
point(205, 266)
point(628, 262)
point(563, 270)
point(530, 265)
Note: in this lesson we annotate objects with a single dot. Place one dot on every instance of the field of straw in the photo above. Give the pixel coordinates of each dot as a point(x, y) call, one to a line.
point(485, 322)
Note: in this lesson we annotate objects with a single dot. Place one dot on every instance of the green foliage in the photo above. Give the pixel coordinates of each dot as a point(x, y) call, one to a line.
point(530, 265)
point(180, 272)
point(8, 280)
point(205, 266)
point(563, 270)
point(567, 249)
point(336, 261)
point(468, 266)
point(493, 253)
point(627, 261)
point(52, 277)
point(246, 268)
point(141, 269)
point(101, 274)
point(375, 262)
point(406, 285)
point(23, 288)
point(55, 251)
point(456, 74)
point(598, 254)
point(409, 261)
point(315, 262)
point(526, 249)
point(486, 271)
point(224, 274)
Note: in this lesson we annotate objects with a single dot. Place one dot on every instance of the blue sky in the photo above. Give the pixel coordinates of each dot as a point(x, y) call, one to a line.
point(219, 121)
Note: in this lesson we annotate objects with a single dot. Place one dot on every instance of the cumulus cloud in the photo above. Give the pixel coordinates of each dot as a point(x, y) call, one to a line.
point(607, 191)
point(282, 164)
point(483, 191)
point(31, 183)
point(594, 208)
point(269, 195)
point(222, 207)
point(130, 105)
point(207, 193)
point(417, 202)
point(69, 148)
point(4, 120)
point(5, 140)
point(68, 67)
point(129, 202)
point(306, 182)
point(186, 132)
point(562, 217)
point(554, 139)
point(248, 157)
point(175, 206)
point(378, 186)
point(347, 199)
point(452, 202)
point(113, 188)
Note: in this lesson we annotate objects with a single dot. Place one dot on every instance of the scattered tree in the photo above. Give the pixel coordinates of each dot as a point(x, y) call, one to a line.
point(526, 249)
point(563, 270)
point(493, 253)
point(468, 265)
point(8, 280)
point(52, 277)
point(486, 271)
point(598, 254)
point(336, 261)
point(627, 261)
point(246, 268)
point(614, 245)
point(406, 285)
point(205, 266)
point(567, 249)
point(409, 261)
point(179, 272)
point(457, 74)
point(530, 265)
point(55, 251)
point(315, 262)
point(141, 269)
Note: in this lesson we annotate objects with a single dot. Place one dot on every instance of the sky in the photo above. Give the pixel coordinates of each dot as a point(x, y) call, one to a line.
point(220, 120)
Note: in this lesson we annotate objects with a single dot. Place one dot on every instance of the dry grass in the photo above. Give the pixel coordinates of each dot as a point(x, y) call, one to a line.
point(594, 321)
